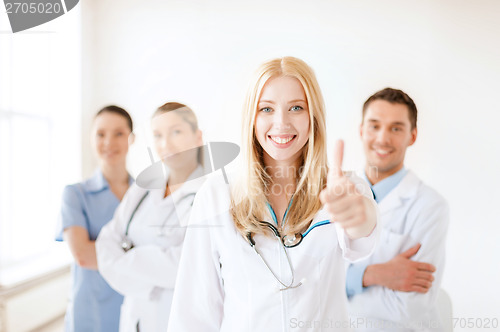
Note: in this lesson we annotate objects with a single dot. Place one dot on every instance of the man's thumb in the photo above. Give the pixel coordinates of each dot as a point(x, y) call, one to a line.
point(411, 252)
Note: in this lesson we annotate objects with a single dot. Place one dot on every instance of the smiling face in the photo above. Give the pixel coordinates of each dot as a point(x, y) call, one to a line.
point(386, 133)
point(282, 120)
point(110, 138)
point(172, 134)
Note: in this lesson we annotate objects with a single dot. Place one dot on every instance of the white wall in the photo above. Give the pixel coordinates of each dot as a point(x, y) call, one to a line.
point(445, 54)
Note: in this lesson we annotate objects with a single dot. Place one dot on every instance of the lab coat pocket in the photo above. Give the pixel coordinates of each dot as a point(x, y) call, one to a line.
point(319, 266)
point(171, 237)
point(393, 244)
point(320, 241)
point(309, 257)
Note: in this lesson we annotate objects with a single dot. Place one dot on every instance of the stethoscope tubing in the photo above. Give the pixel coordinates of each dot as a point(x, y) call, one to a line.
point(127, 243)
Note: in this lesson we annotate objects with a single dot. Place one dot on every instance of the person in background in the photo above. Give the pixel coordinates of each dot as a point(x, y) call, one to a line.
point(396, 288)
point(138, 250)
point(86, 207)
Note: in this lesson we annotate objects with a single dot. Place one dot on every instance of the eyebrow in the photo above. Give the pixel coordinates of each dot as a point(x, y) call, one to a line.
point(397, 123)
point(112, 129)
point(170, 127)
point(291, 101)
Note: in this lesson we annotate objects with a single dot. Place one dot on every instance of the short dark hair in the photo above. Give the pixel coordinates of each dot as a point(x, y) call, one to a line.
point(117, 110)
point(395, 96)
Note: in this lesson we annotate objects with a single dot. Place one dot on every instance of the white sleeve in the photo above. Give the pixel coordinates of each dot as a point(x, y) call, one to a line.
point(358, 249)
point(431, 224)
point(139, 270)
point(198, 299)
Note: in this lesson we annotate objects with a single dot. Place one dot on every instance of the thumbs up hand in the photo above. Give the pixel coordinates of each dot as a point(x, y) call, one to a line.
point(346, 205)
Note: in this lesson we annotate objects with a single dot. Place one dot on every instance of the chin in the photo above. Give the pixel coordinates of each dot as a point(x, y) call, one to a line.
point(116, 159)
point(288, 158)
point(175, 164)
point(385, 168)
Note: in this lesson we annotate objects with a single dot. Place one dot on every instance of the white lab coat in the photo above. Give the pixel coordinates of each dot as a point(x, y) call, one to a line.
point(411, 213)
point(223, 285)
point(146, 274)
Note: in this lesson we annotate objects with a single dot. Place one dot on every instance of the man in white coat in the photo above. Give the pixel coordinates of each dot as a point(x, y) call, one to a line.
point(396, 288)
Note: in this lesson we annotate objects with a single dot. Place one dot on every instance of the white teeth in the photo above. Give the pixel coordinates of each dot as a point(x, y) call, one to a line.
point(379, 151)
point(280, 140)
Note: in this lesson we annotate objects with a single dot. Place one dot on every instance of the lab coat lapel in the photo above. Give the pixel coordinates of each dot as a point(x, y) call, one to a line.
point(184, 196)
point(397, 196)
point(191, 185)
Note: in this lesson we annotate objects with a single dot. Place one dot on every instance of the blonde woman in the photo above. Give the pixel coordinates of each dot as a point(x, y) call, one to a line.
point(271, 255)
point(139, 249)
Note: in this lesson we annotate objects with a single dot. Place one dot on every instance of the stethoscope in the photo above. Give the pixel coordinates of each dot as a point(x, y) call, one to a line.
point(127, 242)
point(287, 241)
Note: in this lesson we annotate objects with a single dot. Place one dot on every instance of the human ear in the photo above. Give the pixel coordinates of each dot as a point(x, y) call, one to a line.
point(413, 136)
point(199, 137)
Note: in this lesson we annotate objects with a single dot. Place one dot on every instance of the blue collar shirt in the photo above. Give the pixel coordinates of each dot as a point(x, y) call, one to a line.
point(354, 276)
point(94, 305)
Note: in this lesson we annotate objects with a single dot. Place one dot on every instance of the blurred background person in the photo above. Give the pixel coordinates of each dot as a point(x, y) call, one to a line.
point(396, 289)
point(86, 207)
point(139, 250)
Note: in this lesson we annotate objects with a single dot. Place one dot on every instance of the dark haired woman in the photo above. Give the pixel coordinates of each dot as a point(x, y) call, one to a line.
point(139, 250)
point(86, 207)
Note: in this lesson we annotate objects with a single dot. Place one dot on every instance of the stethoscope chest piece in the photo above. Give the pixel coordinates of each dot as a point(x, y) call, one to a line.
point(127, 244)
point(291, 241)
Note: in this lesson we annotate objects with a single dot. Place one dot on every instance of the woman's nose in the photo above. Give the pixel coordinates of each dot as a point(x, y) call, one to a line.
point(107, 141)
point(281, 118)
point(167, 145)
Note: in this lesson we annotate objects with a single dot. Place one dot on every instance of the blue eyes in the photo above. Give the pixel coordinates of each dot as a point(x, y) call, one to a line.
point(293, 109)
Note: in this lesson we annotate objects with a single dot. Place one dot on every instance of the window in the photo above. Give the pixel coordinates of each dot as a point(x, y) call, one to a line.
point(40, 120)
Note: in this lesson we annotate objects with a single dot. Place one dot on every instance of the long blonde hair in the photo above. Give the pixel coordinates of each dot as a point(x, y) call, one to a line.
point(248, 199)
